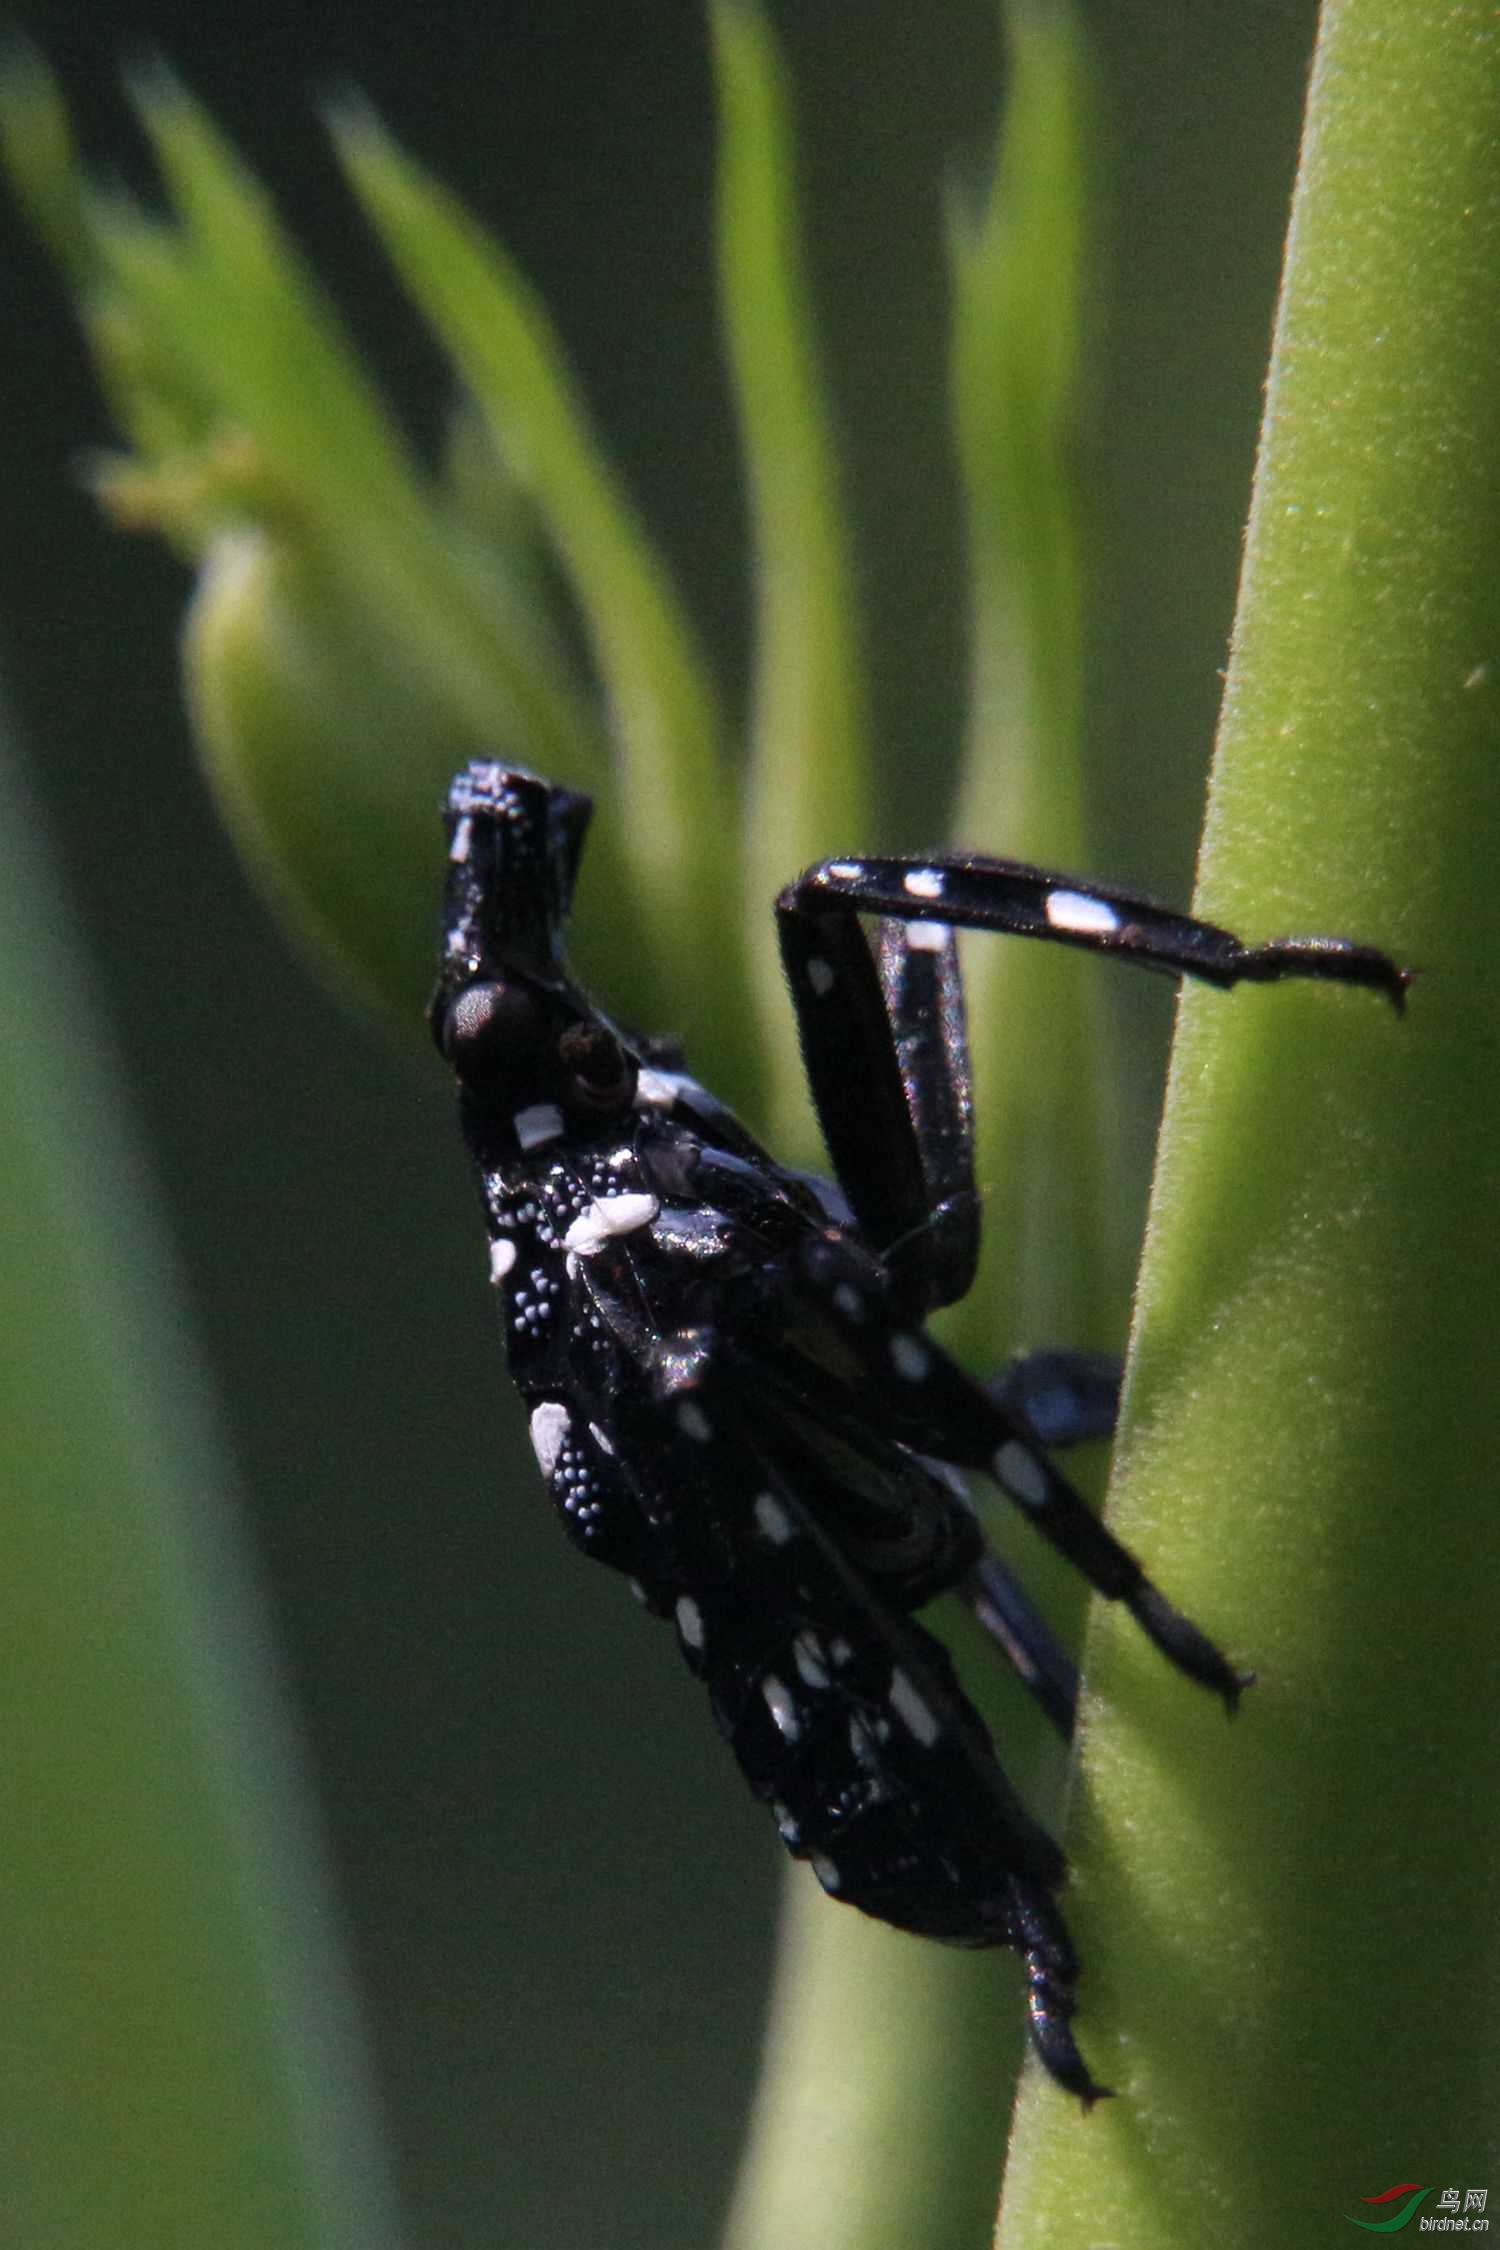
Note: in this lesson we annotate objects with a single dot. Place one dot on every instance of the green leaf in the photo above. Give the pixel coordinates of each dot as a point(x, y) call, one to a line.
point(1045, 1136)
point(329, 756)
point(1287, 1926)
point(41, 158)
point(180, 2062)
point(233, 305)
point(808, 786)
point(354, 637)
point(673, 798)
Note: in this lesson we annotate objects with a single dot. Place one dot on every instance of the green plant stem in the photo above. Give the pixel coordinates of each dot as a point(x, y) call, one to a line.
point(1290, 1929)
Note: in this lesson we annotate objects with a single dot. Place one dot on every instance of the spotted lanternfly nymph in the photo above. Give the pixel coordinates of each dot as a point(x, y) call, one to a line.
point(733, 1399)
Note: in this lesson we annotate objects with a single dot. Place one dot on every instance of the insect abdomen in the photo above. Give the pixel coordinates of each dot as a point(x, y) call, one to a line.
point(847, 1718)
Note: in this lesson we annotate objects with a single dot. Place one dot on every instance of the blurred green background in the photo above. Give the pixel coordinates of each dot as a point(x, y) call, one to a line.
point(561, 1901)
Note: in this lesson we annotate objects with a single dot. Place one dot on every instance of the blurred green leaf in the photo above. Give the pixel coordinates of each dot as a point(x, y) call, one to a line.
point(262, 450)
point(808, 785)
point(180, 2062)
point(672, 799)
point(1046, 1135)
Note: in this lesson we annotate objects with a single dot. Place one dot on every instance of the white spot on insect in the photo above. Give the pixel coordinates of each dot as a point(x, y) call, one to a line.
point(639, 1592)
point(772, 1519)
point(601, 1438)
point(910, 1357)
point(693, 1422)
point(924, 882)
point(849, 1301)
point(781, 1707)
point(1021, 1473)
point(844, 870)
point(536, 1126)
point(502, 1257)
point(944, 1471)
point(862, 1741)
point(463, 838)
point(820, 975)
point(827, 1874)
point(927, 937)
point(840, 1649)
point(807, 1651)
point(1073, 910)
point(549, 1434)
point(690, 1621)
point(655, 1089)
point(915, 1715)
point(606, 1218)
point(786, 1821)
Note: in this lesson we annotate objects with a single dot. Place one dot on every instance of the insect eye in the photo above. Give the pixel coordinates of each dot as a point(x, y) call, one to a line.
point(602, 1074)
point(492, 1032)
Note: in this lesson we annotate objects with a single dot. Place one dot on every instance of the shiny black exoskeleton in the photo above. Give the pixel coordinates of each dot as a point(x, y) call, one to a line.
point(731, 1393)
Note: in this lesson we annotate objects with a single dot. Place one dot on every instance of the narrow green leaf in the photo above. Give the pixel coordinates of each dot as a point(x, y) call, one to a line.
point(356, 634)
point(37, 144)
point(673, 801)
point(1053, 1265)
point(180, 2062)
point(230, 300)
point(872, 2129)
point(329, 756)
point(43, 166)
point(1290, 1927)
point(808, 783)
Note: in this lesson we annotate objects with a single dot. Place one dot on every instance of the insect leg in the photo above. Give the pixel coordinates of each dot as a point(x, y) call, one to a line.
point(1071, 1395)
point(923, 1544)
point(923, 1396)
point(980, 1435)
point(1051, 1973)
point(971, 892)
point(884, 1044)
point(1064, 1397)
point(886, 1055)
point(1038, 1659)
point(934, 1262)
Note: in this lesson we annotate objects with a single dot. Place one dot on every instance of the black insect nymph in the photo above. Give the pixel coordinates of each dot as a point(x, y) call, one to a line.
point(732, 1395)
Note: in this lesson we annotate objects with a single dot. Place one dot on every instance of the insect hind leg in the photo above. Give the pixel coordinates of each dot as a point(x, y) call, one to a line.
point(1051, 2002)
point(1027, 1642)
point(942, 1412)
point(1064, 1397)
point(973, 891)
